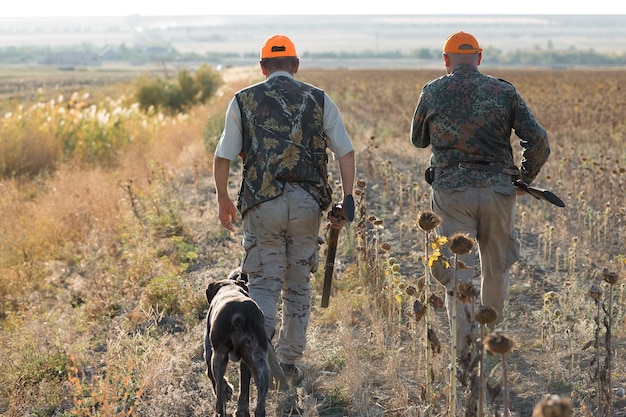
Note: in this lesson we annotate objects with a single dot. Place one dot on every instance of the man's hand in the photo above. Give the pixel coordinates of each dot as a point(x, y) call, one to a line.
point(227, 213)
point(227, 210)
point(337, 221)
point(342, 212)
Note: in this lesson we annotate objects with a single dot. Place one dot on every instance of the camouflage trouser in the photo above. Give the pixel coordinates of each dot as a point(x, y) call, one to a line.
point(281, 250)
point(486, 214)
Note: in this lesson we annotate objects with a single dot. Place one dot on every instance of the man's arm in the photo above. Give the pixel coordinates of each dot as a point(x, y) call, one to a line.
point(420, 136)
point(347, 170)
point(533, 140)
point(227, 209)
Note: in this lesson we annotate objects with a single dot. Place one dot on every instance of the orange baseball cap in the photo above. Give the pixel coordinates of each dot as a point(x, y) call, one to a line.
point(461, 43)
point(277, 46)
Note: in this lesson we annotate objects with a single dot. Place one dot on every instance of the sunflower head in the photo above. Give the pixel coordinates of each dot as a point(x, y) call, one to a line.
point(498, 343)
point(461, 244)
point(485, 315)
point(609, 276)
point(553, 407)
point(595, 292)
point(467, 291)
point(428, 220)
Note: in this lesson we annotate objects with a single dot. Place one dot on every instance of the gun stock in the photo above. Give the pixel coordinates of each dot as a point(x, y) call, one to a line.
point(539, 193)
point(344, 210)
point(330, 265)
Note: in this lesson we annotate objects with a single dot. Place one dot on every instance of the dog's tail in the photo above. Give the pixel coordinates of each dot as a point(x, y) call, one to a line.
point(238, 320)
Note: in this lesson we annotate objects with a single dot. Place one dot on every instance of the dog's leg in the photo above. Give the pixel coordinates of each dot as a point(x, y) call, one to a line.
point(208, 355)
point(223, 390)
point(208, 358)
point(262, 379)
point(243, 403)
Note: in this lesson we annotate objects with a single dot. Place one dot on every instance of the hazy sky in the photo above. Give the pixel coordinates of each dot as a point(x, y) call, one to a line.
point(37, 8)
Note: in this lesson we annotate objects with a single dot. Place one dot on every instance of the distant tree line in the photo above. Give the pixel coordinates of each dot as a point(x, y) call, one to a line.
point(540, 57)
point(535, 57)
point(90, 55)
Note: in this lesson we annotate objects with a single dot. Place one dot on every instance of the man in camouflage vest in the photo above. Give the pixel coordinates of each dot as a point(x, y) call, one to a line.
point(467, 118)
point(281, 128)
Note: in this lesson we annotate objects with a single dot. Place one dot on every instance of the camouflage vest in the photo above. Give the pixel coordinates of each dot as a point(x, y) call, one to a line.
point(283, 141)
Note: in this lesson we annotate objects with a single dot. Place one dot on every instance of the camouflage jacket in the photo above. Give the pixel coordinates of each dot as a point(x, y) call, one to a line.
point(468, 117)
point(283, 141)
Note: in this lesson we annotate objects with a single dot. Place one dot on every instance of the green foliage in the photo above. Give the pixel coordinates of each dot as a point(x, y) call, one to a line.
point(185, 254)
point(162, 211)
point(160, 253)
point(166, 293)
point(177, 96)
point(30, 364)
point(334, 358)
point(36, 365)
point(207, 80)
point(187, 84)
point(35, 139)
point(151, 92)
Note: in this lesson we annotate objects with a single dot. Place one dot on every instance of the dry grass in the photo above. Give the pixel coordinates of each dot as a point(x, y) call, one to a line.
point(102, 270)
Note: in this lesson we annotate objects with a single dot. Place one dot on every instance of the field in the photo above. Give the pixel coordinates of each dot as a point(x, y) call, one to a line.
point(103, 265)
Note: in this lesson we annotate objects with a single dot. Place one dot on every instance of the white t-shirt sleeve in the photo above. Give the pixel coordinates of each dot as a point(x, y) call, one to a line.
point(338, 139)
point(230, 144)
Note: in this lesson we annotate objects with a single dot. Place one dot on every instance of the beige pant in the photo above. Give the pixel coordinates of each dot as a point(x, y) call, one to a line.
point(486, 214)
point(281, 250)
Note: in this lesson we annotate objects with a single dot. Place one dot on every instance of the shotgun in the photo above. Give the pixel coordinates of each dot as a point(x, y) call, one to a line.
point(342, 210)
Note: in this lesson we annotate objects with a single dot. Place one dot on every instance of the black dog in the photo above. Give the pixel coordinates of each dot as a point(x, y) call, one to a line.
point(235, 330)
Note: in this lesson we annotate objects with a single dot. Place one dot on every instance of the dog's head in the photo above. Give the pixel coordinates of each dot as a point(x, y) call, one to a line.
point(240, 278)
point(238, 275)
point(235, 277)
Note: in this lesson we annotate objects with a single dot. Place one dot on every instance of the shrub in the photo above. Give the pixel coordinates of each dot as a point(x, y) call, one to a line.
point(166, 293)
point(188, 87)
point(34, 366)
point(176, 96)
point(207, 80)
point(151, 92)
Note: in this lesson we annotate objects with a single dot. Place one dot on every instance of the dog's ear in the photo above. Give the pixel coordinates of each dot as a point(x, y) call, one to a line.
point(212, 290)
point(238, 274)
point(235, 274)
point(243, 285)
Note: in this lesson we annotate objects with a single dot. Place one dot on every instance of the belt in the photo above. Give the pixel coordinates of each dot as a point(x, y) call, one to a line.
point(432, 172)
point(509, 171)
